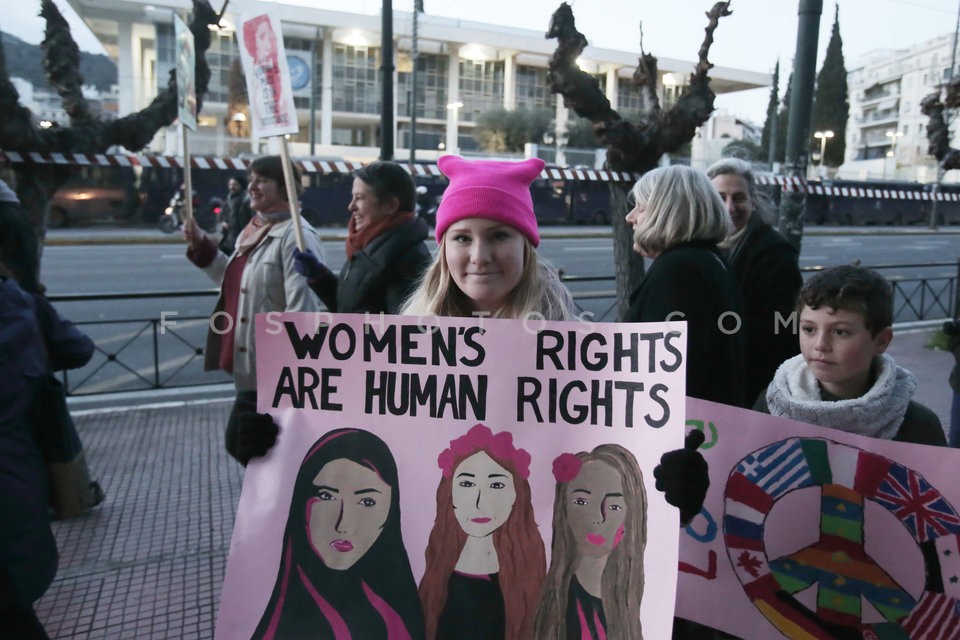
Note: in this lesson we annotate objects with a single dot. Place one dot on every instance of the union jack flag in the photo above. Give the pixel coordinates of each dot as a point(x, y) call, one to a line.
point(917, 504)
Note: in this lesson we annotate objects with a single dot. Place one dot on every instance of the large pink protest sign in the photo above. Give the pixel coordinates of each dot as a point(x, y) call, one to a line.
point(810, 532)
point(432, 475)
point(264, 60)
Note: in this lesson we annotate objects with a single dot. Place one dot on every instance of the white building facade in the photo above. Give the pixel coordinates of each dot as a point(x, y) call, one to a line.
point(886, 133)
point(463, 69)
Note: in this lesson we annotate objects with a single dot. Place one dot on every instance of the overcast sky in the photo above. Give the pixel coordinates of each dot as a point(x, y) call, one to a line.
point(758, 32)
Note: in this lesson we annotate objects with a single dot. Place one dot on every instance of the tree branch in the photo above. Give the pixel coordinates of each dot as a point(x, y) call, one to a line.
point(938, 131)
point(61, 62)
point(630, 147)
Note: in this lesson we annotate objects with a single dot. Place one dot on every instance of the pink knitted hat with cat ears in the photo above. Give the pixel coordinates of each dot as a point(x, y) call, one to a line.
point(490, 189)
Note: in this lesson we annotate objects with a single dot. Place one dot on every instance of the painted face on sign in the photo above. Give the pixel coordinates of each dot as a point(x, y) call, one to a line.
point(347, 513)
point(483, 494)
point(596, 509)
point(266, 46)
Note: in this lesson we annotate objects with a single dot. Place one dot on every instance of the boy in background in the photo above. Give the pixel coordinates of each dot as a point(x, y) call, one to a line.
point(842, 378)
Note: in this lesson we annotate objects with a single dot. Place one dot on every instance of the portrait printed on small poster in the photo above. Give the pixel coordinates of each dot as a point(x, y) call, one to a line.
point(262, 54)
point(186, 74)
point(809, 532)
point(434, 476)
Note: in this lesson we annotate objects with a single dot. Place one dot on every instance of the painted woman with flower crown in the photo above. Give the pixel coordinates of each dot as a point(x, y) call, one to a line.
point(485, 559)
point(595, 582)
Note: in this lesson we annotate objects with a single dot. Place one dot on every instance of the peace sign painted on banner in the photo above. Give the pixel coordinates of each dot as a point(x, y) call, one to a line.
point(837, 563)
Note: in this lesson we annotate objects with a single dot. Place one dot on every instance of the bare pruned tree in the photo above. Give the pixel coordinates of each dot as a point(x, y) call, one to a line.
point(632, 147)
point(85, 133)
point(938, 129)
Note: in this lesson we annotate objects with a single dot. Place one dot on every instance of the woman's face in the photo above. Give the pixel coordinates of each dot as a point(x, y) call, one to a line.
point(596, 509)
point(635, 218)
point(366, 208)
point(265, 194)
point(483, 495)
point(735, 193)
point(346, 513)
point(264, 41)
point(485, 259)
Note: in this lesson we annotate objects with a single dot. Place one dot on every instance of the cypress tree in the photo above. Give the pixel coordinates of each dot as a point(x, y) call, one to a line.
point(783, 119)
point(768, 124)
point(831, 107)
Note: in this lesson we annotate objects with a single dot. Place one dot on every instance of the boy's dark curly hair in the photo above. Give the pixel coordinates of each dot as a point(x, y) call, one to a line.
point(851, 288)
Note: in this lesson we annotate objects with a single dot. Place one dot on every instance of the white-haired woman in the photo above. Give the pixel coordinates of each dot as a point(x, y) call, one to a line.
point(678, 220)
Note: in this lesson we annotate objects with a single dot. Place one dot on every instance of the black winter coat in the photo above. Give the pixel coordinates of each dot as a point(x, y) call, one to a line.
point(380, 276)
point(766, 270)
point(692, 279)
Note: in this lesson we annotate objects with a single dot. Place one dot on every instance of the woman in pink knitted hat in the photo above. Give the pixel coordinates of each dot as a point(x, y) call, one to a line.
point(486, 262)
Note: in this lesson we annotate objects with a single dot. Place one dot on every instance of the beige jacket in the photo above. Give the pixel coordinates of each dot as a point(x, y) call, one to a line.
point(269, 283)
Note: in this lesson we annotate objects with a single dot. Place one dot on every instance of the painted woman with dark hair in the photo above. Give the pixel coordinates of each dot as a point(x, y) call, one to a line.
point(344, 571)
point(485, 558)
point(595, 582)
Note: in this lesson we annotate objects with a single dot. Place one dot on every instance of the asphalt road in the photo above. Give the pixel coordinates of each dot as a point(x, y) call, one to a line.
point(128, 332)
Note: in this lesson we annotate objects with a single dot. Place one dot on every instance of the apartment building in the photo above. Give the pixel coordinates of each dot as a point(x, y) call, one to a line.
point(886, 133)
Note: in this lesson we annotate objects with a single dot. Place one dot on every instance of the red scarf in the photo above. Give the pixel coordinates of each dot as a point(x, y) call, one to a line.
point(357, 240)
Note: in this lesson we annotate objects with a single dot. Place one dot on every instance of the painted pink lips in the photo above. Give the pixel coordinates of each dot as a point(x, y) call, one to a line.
point(481, 520)
point(342, 546)
point(596, 538)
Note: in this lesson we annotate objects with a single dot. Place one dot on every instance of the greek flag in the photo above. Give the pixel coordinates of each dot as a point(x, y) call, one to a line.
point(778, 468)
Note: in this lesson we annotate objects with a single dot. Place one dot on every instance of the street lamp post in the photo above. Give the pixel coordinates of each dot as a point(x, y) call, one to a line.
point(823, 136)
point(892, 153)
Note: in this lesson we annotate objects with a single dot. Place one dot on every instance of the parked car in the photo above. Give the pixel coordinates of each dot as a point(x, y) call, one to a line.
point(77, 203)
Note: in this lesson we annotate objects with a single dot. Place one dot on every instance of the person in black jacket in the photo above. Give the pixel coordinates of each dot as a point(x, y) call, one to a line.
point(235, 214)
point(765, 267)
point(678, 221)
point(386, 253)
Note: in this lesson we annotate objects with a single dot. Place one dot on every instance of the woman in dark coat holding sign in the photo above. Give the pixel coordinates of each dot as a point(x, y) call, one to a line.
point(385, 246)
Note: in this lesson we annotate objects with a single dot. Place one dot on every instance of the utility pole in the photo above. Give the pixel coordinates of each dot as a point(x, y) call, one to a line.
point(801, 108)
point(386, 78)
point(313, 92)
point(935, 192)
point(417, 10)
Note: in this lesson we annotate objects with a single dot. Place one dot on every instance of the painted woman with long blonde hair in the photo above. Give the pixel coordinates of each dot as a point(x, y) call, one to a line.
point(595, 582)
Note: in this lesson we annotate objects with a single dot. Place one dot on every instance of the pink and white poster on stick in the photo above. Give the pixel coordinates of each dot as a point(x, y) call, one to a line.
point(264, 61)
point(438, 474)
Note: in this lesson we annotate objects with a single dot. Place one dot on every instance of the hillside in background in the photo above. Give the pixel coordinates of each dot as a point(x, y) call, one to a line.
point(25, 61)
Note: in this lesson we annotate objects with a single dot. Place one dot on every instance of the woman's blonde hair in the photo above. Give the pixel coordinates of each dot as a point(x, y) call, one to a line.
point(681, 206)
point(621, 586)
point(538, 292)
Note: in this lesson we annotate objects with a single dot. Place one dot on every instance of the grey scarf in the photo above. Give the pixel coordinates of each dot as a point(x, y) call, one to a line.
point(795, 394)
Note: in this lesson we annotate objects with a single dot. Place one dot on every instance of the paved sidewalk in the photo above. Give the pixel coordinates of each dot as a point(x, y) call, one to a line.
point(149, 562)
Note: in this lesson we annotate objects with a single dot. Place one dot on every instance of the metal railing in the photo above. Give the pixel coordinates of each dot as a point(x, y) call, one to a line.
point(165, 352)
point(915, 299)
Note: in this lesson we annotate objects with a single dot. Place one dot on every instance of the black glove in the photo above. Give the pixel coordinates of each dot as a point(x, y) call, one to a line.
point(256, 434)
point(683, 477)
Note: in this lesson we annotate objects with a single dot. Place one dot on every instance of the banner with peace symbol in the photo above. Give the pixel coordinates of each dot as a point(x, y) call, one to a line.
point(810, 532)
